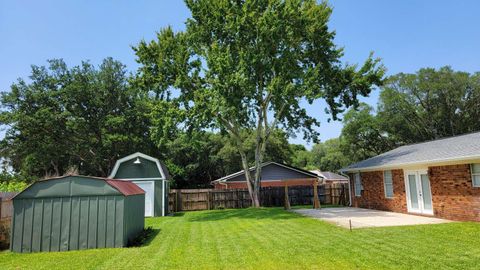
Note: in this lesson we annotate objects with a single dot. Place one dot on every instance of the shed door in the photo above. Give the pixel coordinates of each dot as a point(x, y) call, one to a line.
point(147, 186)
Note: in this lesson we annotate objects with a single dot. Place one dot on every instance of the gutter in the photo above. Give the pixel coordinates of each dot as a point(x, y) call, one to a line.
point(349, 188)
point(438, 161)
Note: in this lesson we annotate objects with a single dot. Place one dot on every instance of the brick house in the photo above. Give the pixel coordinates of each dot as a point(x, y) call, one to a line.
point(438, 178)
point(273, 174)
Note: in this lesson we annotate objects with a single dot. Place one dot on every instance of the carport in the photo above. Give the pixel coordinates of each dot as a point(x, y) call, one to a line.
point(362, 218)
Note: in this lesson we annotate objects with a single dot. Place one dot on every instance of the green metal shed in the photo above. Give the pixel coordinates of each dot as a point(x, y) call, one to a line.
point(151, 175)
point(76, 212)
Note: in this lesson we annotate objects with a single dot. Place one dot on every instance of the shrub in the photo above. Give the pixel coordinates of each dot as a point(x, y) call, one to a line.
point(12, 186)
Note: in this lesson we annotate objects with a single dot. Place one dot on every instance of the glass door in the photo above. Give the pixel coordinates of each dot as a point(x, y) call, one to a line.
point(426, 193)
point(419, 196)
point(413, 203)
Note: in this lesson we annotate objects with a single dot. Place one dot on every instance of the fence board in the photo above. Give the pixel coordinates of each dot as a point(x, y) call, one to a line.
point(6, 212)
point(205, 199)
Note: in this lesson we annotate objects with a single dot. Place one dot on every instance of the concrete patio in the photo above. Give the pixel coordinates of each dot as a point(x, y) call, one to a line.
point(363, 218)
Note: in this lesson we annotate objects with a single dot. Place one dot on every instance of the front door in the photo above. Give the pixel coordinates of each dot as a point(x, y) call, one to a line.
point(419, 195)
point(147, 186)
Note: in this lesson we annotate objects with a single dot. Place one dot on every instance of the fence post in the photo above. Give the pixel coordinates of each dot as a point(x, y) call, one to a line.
point(333, 192)
point(208, 199)
point(179, 200)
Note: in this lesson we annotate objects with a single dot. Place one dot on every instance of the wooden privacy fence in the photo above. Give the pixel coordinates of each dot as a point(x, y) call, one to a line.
point(206, 199)
point(6, 212)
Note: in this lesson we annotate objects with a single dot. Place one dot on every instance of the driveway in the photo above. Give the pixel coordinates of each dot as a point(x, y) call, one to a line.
point(362, 218)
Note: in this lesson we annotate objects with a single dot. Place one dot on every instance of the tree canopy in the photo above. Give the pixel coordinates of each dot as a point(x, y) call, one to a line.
point(242, 65)
point(430, 104)
point(83, 117)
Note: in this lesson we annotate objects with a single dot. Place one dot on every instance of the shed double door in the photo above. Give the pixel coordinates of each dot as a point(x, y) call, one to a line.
point(419, 195)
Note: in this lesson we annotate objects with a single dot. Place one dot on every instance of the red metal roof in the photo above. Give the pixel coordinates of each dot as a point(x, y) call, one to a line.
point(125, 187)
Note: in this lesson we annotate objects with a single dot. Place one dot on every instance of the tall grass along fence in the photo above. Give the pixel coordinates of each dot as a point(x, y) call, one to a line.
point(207, 199)
point(6, 211)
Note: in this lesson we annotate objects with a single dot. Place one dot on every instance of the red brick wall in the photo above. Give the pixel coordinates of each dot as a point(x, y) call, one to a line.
point(243, 185)
point(453, 196)
point(373, 195)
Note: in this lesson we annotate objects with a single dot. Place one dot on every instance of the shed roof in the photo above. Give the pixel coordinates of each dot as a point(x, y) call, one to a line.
point(79, 185)
point(457, 148)
point(127, 188)
point(162, 169)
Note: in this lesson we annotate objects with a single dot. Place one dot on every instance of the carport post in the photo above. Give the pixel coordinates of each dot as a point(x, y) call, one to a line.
point(316, 201)
point(287, 200)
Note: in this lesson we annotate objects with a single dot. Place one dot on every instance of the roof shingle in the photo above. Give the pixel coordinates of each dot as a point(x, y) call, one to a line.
point(453, 148)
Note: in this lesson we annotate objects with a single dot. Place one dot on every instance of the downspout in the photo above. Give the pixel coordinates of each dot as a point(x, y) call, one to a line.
point(224, 183)
point(349, 188)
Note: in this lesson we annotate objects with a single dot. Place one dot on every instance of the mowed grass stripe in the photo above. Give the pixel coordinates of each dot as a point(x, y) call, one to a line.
point(271, 238)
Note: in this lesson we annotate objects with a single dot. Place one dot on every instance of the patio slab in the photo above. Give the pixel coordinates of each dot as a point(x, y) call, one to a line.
point(363, 218)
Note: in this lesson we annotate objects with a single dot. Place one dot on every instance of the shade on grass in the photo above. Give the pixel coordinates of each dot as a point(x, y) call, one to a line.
point(271, 238)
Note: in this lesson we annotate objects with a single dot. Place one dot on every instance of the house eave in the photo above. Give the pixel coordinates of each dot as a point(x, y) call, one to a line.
point(225, 178)
point(432, 162)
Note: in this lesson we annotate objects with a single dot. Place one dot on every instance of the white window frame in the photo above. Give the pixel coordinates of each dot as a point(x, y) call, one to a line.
point(359, 184)
point(473, 174)
point(385, 184)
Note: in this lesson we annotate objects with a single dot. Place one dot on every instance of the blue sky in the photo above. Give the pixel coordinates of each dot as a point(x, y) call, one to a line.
point(406, 34)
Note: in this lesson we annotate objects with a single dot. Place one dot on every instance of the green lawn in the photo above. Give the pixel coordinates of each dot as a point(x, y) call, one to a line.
point(271, 238)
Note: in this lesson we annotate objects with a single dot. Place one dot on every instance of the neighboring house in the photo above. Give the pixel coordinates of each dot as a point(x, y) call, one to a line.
point(439, 178)
point(330, 177)
point(273, 174)
point(151, 175)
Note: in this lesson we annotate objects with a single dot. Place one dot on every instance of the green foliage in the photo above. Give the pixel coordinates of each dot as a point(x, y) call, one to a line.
point(334, 157)
point(12, 186)
point(248, 65)
point(427, 105)
point(80, 117)
point(363, 135)
point(277, 149)
point(430, 104)
point(301, 156)
point(195, 159)
point(326, 156)
point(12, 182)
point(236, 58)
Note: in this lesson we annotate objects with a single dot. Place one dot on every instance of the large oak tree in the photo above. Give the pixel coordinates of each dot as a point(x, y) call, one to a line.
point(84, 117)
point(249, 65)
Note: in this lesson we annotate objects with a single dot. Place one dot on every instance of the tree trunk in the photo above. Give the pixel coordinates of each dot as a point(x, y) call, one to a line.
point(258, 173)
point(248, 177)
point(259, 150)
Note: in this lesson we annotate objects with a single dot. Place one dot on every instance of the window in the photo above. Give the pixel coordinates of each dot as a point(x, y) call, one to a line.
point(358, 185)
point(475, 168)
point(388, 184)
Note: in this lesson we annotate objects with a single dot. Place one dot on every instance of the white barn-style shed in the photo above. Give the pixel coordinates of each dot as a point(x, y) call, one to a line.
point(151, 175)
